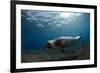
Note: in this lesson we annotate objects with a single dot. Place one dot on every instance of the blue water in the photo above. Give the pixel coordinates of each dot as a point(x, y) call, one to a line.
point(37, 27)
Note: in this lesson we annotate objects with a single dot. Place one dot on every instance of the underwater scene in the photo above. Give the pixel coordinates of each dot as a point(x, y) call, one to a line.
point(54, 36)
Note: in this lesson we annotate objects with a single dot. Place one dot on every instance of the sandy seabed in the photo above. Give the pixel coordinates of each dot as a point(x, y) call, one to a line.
point(82, 53)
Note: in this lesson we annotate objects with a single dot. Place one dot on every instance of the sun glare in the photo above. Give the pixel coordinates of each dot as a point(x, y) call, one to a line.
point(66, 15)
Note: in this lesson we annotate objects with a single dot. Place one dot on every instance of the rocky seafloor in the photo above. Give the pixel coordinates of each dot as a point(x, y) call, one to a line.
point(70, 53)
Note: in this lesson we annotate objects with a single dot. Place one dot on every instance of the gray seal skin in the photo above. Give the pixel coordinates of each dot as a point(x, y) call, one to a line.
point(62, 42)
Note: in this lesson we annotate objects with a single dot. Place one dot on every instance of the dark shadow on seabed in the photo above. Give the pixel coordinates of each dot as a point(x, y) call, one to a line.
point(80, 52)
